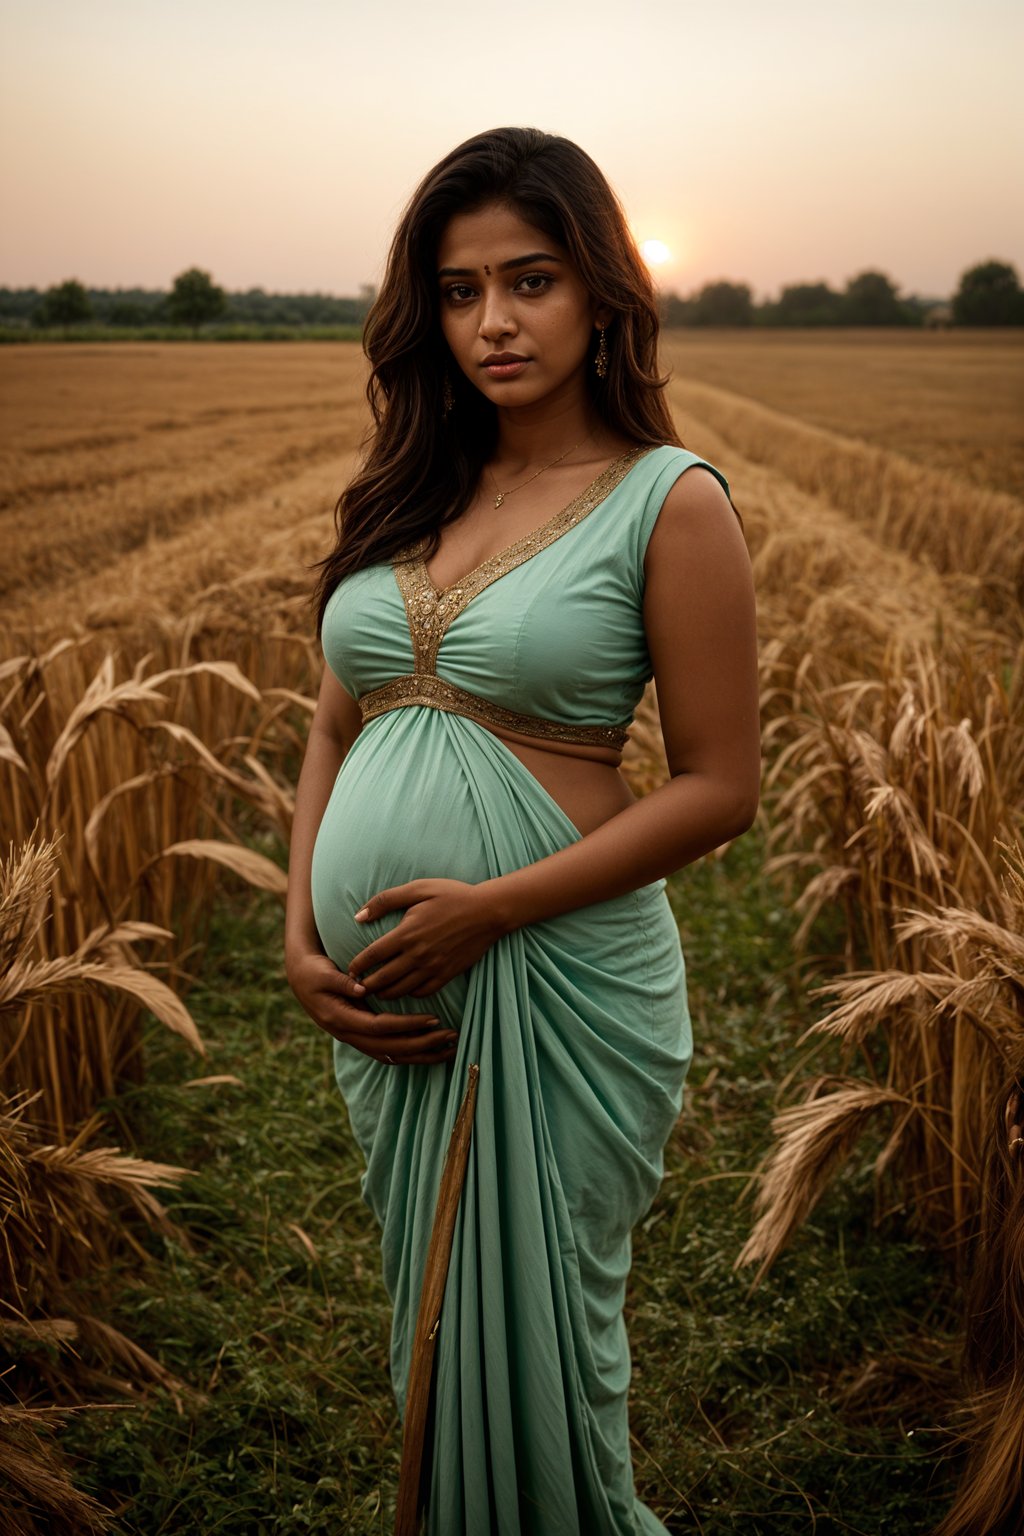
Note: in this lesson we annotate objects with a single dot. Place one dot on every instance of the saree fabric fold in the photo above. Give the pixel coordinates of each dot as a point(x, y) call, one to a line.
point(579, 1023)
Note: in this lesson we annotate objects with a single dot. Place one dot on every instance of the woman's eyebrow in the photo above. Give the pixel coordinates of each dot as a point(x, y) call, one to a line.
point(506, 266)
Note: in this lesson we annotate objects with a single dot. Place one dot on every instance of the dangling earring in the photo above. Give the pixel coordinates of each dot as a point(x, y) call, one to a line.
point(601, 357)
point(447, 398)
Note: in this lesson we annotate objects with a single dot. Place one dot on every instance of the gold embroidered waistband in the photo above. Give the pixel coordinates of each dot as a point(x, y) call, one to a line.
point(438, 693)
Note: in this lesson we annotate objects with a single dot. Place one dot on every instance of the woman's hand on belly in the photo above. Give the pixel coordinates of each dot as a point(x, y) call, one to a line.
point(332, 1001)
point(448, 925)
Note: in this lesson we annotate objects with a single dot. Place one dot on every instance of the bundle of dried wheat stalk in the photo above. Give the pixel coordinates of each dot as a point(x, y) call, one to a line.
point(901, 797)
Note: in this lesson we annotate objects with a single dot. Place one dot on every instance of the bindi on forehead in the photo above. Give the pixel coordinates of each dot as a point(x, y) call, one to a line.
point(503, 266)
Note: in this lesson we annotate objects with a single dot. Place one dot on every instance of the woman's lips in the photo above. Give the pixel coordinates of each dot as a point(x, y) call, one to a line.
point(505, 370)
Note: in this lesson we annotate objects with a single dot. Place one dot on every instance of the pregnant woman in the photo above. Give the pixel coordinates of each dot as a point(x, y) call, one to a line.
point(472, 881)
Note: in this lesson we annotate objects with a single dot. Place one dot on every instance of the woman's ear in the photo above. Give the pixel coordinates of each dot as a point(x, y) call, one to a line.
point(603, 315)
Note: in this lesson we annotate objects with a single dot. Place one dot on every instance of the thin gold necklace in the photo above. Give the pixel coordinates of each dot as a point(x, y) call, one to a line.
point(500, 497)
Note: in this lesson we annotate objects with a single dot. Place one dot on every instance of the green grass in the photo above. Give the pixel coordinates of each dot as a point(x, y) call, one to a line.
point(742, 1414)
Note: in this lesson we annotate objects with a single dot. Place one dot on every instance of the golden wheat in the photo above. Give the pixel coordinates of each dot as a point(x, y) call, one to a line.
point(949, 401)
point(957, 528)
point(137, 775)
point(39, 1497)
point(947, 1040)
point(64, 1203)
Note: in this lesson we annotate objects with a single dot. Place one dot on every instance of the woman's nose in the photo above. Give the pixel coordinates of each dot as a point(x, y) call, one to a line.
point(495, 319)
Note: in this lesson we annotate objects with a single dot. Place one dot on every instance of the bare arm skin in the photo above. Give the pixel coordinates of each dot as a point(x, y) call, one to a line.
point(330, 996)
point(700, 620)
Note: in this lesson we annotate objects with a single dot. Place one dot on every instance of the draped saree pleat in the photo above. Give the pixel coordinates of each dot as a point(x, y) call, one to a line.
point(582, 1034)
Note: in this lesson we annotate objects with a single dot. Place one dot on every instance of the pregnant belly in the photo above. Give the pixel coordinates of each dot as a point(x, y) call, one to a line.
point(403, 807)
point(424, 794)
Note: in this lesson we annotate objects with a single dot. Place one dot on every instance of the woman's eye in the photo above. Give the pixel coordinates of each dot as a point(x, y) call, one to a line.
point(530, 282)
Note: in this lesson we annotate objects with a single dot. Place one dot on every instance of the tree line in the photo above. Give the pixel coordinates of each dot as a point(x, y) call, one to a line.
point(989, 293)
point(194, 301)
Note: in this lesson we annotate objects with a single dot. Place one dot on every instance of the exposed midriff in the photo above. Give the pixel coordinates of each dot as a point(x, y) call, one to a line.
point(585, 781)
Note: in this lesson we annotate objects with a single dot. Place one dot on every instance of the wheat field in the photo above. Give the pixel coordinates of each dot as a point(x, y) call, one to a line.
point(914, 393)
point(160, 507)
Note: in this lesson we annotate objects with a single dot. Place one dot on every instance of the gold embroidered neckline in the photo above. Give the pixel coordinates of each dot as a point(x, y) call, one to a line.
point(431, 610)
point(612, 472)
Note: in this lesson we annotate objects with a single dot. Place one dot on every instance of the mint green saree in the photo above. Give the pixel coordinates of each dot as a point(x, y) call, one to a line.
point(579, 1024)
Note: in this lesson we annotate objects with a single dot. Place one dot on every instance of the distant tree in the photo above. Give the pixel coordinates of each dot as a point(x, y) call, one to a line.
point(18, 305)
point(920, 306)
point(195, 298)
point(809, 304)
point(125, 312)
point(871, 299)
point(765, 313)
point(723, 303)
point(674, 310)
point(989, 294)
point(367, 296)
point(65, 304)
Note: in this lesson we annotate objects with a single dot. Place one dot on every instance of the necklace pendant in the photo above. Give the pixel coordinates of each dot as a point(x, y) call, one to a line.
point(499, 499)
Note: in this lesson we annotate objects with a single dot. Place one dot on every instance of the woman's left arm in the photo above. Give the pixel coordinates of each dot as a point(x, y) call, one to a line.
point(700, 621)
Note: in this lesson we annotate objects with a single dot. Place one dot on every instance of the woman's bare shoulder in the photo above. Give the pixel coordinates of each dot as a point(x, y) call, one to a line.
point(696, 516)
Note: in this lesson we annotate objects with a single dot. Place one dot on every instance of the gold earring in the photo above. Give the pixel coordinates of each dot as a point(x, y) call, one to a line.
point(447, 398)
point(601, 357)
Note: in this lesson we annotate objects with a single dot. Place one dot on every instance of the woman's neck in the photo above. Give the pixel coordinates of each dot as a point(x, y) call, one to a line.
point(535, 434)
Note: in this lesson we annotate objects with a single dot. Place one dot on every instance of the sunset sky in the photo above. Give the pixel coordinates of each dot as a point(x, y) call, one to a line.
point(275, 144)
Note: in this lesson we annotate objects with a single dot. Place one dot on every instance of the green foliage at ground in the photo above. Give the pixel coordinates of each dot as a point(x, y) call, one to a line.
point(794, 1408)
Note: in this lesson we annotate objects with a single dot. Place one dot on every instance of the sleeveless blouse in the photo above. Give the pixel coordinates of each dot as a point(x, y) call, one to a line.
point(545, 637)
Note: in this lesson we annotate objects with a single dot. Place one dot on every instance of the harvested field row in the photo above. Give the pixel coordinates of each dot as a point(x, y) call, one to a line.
point(74, 512)
point(930, 515)
point(92, 468)
point(67, 395)
point(87, 534)
point(271, 534)
point(914, 393)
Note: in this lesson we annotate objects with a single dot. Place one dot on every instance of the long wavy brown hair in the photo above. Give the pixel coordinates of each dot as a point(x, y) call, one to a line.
point(420, 467)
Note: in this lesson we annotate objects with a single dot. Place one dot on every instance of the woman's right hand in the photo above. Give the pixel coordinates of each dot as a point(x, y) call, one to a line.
point(333, 1001)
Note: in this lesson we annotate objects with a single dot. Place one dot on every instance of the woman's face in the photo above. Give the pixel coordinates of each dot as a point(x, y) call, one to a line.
point(506, 287)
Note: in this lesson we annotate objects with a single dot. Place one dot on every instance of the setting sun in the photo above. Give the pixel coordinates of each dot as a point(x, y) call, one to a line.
point(655, 252)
